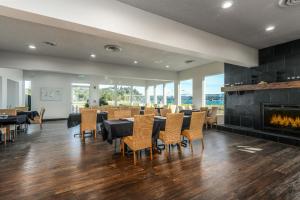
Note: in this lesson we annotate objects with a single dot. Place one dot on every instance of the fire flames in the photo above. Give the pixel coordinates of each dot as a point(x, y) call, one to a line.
point(285, 121)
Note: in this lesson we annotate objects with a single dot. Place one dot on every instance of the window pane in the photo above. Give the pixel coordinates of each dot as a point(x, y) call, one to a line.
point(159, 94)
point(170, 93)
point(151, 94)
point(123, 95)
point(213, 95)
point(80, 95)
point(107, 93)
point(138, 95)
point(186, 92)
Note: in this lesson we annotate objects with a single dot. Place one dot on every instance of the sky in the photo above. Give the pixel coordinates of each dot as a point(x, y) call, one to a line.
point(214, 83)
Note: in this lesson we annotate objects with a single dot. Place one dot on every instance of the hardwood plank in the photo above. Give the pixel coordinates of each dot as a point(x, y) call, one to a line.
point(52, 164)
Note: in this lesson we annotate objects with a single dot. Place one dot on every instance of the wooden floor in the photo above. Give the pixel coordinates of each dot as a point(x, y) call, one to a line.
point(52, 164)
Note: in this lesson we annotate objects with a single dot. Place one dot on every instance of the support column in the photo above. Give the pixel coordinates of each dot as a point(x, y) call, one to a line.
point(155, 95)
point(115, 95)
point(147, 95)
point(164, 94)
point(177, 92)
point(4, 92)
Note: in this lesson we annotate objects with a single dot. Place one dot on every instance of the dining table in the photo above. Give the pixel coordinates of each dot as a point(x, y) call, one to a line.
point(12, 120)
point(30, 115)
point(113, 129)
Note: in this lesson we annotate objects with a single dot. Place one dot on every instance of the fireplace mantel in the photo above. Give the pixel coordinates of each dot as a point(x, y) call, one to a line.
point(266, 86)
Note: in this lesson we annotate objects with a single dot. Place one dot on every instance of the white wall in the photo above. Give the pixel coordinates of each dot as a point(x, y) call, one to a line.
point(61, 109)
point(14, 75)
point(198, 75)
point(12, 93)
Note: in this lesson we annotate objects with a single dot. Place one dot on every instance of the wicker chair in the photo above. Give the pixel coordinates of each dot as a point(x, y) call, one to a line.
point(173, 108)
point(142, 135)
point(39, 119)
point(110, 113)
point(165, 111)
point(172, 132)
point(211, 118)
point(135, 111)
point(4, 132)
point(119, 114)
point(23, 109)
point(88, 122)
point(150, 111)
point(195, 131)
point(10, 112)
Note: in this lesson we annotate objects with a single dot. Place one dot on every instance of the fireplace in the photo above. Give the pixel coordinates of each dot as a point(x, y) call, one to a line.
point(282, 118)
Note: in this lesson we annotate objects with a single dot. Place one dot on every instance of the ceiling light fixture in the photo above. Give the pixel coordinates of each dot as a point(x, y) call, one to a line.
point(93, 55)
point(53, 44)
point(112, 48)
point(135, 62)
point(189, 61)
point(270, 28)
point(227, 4)
point(167, 66)
point(31, 46)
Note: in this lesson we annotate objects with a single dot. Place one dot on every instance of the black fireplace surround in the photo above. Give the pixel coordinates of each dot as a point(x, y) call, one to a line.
point(248, 109)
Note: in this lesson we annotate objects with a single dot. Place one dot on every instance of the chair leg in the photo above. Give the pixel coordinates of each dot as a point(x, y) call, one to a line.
point(191, 146)
point(202, 144)
point(5, 133)
point(123, 148)
point(151, 153)
point(95, 134)
point(179, 145)
point(134, 158)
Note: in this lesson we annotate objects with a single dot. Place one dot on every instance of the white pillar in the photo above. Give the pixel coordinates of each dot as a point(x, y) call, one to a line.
point(4, 92)
point(198, 91)
point(94, 94)
point(147, 95)
point(115, 95)
point(131, 88)
point(164, 94)
point(177, 92)
point(155, 95)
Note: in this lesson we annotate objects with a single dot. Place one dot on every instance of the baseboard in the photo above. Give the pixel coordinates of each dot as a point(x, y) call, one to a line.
point(54, 119)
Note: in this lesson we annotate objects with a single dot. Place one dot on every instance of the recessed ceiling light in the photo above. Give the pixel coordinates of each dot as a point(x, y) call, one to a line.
point(167, 66)
point(31, 46)
point(93, 55)
point(227, 4)
point(270, 28)
point(135, 62)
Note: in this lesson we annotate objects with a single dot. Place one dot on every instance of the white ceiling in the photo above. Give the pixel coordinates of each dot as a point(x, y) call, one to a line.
point(16, 35)
point(244, 22)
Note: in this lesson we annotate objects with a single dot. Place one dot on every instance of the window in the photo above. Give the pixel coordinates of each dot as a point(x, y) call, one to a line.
point(138, 96)
point(80, 95)
point(123, 95)
point(170, 93)
point(160, 94)
point(186, 92)
point(151, 94)
point(212, 91)
point(107, 93)
point(27, 87)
